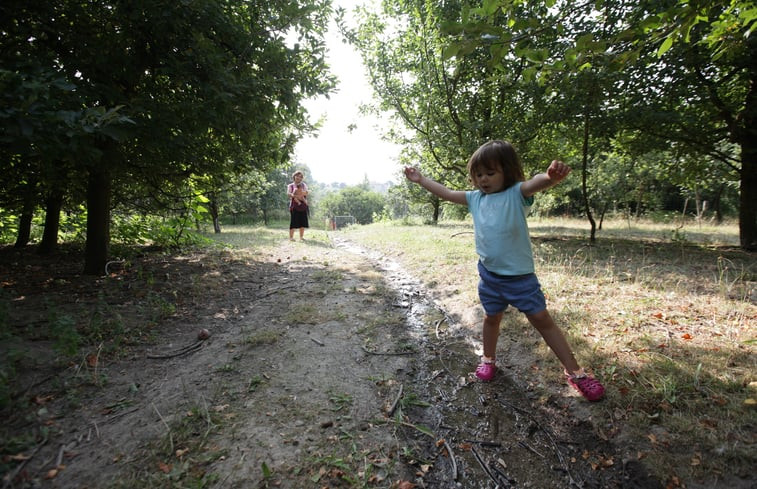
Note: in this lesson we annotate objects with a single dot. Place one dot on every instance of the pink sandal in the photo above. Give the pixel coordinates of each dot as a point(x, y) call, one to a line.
point(588, 386)
point(485, 371)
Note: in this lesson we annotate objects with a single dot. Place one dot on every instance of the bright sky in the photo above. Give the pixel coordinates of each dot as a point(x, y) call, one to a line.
point(336, 154)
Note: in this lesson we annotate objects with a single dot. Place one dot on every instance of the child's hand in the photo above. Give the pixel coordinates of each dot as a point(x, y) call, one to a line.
point(413, 175)
point(558, 170)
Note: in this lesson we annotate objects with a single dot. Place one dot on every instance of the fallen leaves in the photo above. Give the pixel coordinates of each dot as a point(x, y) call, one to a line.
point(53, 473)
point(696, 460)
point(93, 360)
point(673, 483)
point(40, 400)
point(598, 461)
point(19, 457)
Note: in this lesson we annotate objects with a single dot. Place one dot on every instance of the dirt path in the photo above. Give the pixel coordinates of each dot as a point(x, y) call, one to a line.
point(326, 366)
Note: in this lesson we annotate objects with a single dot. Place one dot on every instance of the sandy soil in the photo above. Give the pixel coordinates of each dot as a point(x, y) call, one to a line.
point(326, 366)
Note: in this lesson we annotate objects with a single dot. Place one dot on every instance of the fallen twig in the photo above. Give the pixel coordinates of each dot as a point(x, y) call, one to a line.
point(112, 262)
point(530, 448)
point(436, 327)
point(396, 402)
point(481, 462)
point(115, 417)
point(484, 443)
point(318, 342)
point(452, 458)
point(177, 353)
point(62, 451)
point(390, 353)
point(273, 291)
point(500, 478)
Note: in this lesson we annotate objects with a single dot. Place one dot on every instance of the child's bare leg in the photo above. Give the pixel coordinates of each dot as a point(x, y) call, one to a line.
point(555, 339)
point(291, 233)
point(302, 233)
point(491, 334)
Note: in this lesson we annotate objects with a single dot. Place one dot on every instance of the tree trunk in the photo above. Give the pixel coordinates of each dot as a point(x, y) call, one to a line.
point(699, 205)
point(24, 228)
point(748, 201)
point(602, 215)
point(213, 207)
point(747, 138)
point(716, 204)
point(639, 199)
point(27, 215)
point(584, 187)
point(98, 221)
point(683, 213)
point(53, 204)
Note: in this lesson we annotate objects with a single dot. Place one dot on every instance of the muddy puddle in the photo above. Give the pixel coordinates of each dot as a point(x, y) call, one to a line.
point(481, 435)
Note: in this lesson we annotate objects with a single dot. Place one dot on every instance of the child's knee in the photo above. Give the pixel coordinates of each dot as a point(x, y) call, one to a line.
point(492, 319)
point(541, 320)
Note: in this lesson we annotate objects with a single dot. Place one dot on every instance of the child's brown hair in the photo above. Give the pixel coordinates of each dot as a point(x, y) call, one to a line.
point(500, 155)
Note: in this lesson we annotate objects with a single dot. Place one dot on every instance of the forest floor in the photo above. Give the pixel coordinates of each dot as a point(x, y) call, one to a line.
point(326, 366)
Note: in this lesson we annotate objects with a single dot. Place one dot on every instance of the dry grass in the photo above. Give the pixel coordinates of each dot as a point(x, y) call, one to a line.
point(666, 316)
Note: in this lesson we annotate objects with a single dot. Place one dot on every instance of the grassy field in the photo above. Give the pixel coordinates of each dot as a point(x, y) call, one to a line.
point(665, 316)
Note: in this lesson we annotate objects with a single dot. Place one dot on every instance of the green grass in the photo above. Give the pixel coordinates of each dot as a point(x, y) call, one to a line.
point(666, 319)
point(261, 239)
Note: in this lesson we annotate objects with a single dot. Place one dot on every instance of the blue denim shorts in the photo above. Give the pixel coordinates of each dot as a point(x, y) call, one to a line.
point(497, 292)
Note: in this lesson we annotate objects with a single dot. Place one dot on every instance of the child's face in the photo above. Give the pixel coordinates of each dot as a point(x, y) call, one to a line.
point(297, 178)
point(489, 180)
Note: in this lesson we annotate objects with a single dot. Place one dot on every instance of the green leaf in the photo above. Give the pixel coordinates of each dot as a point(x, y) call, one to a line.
point(584, 41)
point(451, 28)
point(650, 23)
point(667, 44)
point(450, 51)
point(425, 430)
point(490, 7)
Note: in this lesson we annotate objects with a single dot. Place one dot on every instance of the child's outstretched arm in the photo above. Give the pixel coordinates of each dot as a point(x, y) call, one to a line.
point(436, 188)
point(555, 174)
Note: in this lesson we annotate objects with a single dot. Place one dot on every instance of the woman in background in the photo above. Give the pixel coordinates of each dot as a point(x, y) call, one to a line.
point(297, 191)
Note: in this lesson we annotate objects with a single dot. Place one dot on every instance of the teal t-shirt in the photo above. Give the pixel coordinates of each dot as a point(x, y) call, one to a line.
point(499, 221)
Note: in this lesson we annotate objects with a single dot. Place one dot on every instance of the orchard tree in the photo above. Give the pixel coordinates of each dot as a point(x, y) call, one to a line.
point(446, 107)
point(452, 97)
point(357, 201)
point(211, 88)
point(691, 69)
